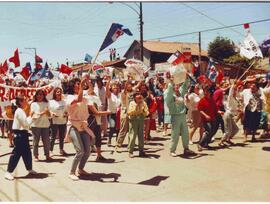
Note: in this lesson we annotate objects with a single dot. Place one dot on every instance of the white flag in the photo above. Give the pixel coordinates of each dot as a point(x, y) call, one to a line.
point(250, 48)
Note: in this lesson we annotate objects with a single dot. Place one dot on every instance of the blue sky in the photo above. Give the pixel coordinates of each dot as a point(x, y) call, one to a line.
point(64, 30)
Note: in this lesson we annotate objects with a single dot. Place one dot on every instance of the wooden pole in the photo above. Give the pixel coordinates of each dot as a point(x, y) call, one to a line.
point(247, 69)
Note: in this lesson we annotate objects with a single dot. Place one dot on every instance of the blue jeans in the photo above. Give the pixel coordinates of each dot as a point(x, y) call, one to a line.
point(81, 143)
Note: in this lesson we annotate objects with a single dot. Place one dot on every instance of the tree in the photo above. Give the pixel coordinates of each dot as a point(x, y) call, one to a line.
point(221, 48)
point(238, 60)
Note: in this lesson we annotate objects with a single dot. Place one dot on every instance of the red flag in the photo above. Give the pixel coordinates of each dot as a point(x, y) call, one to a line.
point(15, 59)
point(246, 25)
point(25, 73)
point(187, 57)
point(220, 76)
point(38, 66)
point(38, 59)
point(4, 68)
point(176, 58)
point(65, 69)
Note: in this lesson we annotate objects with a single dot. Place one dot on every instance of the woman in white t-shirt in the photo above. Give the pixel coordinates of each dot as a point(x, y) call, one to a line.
point(192, 99)
point(57, 107)
point(114, 101)
point(40, 114)
point(21, 139)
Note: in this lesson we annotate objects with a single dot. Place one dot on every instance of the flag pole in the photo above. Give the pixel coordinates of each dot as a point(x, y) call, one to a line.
point(247, 69)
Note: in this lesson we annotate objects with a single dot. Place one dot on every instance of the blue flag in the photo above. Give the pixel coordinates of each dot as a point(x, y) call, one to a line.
point(211, 72)
point(46, 66)
point(114, 33)
point(265, 46)
point(88, 58)
point(28, 66)
point(38, 75)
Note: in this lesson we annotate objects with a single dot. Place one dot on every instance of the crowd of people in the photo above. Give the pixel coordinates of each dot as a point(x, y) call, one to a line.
point(83, 111)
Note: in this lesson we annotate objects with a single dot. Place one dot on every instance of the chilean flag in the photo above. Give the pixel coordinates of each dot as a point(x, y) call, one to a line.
point(114, 33)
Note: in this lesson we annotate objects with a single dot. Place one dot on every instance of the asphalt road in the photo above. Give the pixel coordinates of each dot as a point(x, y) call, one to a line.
point(236, 173)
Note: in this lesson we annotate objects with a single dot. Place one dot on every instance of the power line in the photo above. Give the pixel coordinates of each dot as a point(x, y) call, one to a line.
point(195, 32)
point(210, 18)
point(208, 30)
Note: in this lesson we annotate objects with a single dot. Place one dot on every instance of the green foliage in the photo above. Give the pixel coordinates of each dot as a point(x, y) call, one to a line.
point(237, 60)
point(221, 48)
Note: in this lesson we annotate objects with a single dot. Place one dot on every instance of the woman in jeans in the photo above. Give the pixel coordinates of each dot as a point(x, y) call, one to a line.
point(114, 101)
point(40, 123)
point(78, 131)
point(57, 107)
point(21, 141)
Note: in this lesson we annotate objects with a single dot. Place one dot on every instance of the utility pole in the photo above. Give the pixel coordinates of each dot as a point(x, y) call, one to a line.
point(200, 51)
point(141, 31)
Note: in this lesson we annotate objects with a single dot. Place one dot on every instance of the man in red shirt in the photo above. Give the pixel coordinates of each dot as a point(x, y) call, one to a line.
point(208, 109)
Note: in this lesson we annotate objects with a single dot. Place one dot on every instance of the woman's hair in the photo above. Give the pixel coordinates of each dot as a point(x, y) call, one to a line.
point(71, 84)
point(136, 94)
point(44, 96)
point(18, 100)
point(54, 92)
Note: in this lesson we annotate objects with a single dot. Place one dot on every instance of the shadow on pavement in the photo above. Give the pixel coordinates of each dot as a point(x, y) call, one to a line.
point(149, 156)
point(101, 177)
point(260, 141)
point(239, 145)
point(5, 154)
point(154, 144)
point(159, 139)
point(153, 150)
point(66, 155)
point(35, 176)
point(108, 161)
point(266, 148)
point(194, 156)
point(53, 160)
point(155, 181)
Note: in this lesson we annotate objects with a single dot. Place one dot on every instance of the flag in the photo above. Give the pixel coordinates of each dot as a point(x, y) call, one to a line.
point(25, 73)
point(98, 69)
point(39, 74)
point(176, 58)
point(38, 59)
point(65, 69)
point(187, 57)
point(211, 72)
point(220, 76)
point(250, 48)
point(15, 59)
point(50, 75)
point(28, 65)
point(116, 30)
point(88, 58)
point(38, 66)
point(4, 68)
point(46, 66)
point(246, 25)
point(265, 46)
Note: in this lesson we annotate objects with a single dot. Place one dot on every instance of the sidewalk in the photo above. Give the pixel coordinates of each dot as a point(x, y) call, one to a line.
point(236, 173)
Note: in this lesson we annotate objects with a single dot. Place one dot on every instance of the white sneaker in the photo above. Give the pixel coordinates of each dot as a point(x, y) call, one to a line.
point(191, 143)
point(164, 133)
point(213, 139)
point(32, 172)
point(9, 176)
point(73, 177)
point(173, 154)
